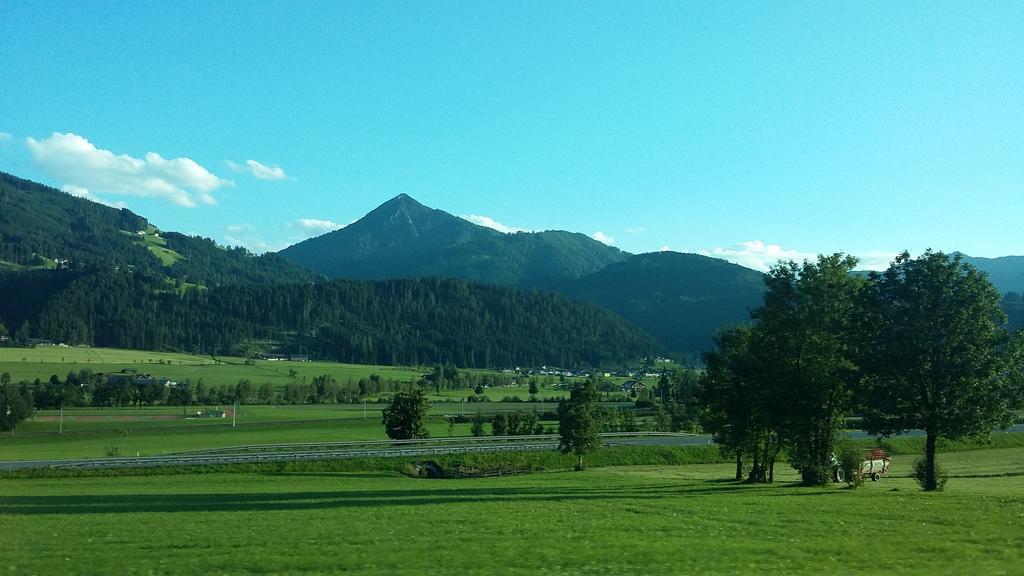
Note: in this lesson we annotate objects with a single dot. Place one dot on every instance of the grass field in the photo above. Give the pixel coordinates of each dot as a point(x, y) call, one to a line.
point(165, 439)
point(617, 520)
point(43, 361)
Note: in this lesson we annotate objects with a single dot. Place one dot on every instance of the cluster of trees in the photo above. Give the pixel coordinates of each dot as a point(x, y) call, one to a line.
point(15, 404)
point(678, 396)
point(518, 423)
point(393, 322)
point(449, 377)
point(86, 388)
point(921, 345)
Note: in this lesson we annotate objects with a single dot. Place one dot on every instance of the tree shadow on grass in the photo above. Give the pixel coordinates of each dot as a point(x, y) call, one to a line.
point(335, 475)
point(242, 502)
point(426, 493)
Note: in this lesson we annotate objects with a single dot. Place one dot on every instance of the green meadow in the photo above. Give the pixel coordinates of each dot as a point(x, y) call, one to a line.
point(256, 425)
point(43, 361)
point(686, 519)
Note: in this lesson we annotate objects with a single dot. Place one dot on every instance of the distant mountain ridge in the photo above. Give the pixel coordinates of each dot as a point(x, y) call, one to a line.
point(51, 242)
point(78, 272)
point(1006, 273)
point(680, 299)
point(405, 239)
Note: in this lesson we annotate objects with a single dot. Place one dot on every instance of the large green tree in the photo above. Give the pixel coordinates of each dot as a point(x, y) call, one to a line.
point(15, 405)
point(578, 422)
point(934, 353)
point(734, 408)
point(802, 339)
point(403, 419)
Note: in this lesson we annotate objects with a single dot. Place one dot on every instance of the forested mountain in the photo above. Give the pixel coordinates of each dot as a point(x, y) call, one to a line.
point(1005, 273)
point(40, 224)
point(42, 227)
point(405, 239)
point(79, 272)
point(681, 299)
point(415, 321)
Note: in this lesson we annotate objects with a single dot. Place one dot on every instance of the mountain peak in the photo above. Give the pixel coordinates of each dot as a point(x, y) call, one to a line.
point(402, 214)
point(402, 238)
point(401, 205)
point(403, 199)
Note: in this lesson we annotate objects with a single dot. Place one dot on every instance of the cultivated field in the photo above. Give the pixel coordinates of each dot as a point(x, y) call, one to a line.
point(618, 520)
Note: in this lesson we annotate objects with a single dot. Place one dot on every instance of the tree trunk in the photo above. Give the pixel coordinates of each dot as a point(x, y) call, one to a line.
point(739, 466)
point(929, 462)
point(579, 465)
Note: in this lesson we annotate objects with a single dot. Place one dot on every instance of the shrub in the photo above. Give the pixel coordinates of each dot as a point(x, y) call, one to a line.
point(921, 469)
point(849, 459)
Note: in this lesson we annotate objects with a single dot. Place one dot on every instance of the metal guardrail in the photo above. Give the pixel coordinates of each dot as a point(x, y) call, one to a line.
point(416, 442)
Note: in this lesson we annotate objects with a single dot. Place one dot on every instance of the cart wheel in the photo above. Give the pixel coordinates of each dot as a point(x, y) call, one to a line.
point(875, 477)
point(837, 476)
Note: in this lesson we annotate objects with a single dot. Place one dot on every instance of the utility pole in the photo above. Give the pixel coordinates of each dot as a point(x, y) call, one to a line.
point(233, 413)
point(60, 429)
point(364, 407)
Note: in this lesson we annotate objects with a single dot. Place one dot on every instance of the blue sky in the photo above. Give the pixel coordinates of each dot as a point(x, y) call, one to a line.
point(747, 130)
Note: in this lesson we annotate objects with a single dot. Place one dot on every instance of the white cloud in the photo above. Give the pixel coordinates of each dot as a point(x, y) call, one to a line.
point(265, 172)
point(875, 259)
point(758, 255)
point(664, 248)
point(253, 244)
point(76, 191)
point(603, 238)
point(260, 171)
point(78, 163)
point(488, 222)
point(79, 192)
point(6, 137)
point(248, 237)
point(314, 227)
